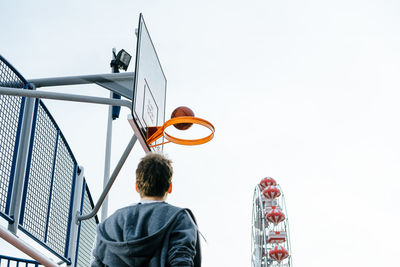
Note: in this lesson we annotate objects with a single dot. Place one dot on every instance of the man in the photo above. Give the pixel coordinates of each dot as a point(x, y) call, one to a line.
point(151, 233)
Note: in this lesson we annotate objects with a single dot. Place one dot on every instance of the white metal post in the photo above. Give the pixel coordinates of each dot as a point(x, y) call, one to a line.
point(107, 159)
point(75, 213)
point(104, 208)
point(20, 167)
point(66, 97)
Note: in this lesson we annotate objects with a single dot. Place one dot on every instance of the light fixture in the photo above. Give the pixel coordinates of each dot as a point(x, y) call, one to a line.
point(121, 60)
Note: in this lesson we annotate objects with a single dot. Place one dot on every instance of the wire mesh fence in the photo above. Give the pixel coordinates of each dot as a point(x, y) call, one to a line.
point(87, 231)
point(39, 176)
point(48, 192)
point(49, 186)
point(10, 124)
point(63, 180)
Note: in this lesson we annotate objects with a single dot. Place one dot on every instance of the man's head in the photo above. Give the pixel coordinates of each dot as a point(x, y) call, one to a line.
point(153, 176)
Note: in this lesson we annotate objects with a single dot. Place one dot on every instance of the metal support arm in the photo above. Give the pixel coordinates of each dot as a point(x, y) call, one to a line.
point(83, 79)
point(111, 180)
point(66, 97)
point(120, 83)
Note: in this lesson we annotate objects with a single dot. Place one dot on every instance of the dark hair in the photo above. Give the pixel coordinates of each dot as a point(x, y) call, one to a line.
point(153, 175)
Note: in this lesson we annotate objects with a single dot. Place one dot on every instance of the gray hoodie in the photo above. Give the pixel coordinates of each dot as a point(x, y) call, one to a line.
point(153, 234)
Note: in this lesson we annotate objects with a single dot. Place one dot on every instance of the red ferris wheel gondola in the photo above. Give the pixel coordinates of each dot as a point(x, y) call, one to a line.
point(275, 237)
point(275, 215)
point(267, 181)
point(271, 192)
point(278, 253)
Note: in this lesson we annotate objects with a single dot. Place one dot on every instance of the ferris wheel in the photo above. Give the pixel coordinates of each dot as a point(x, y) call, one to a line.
point(270, 240)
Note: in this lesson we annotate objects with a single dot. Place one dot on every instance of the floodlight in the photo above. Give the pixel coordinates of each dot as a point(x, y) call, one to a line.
point(121, 60)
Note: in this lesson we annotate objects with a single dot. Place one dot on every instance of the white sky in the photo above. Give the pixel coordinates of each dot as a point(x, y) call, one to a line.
point(303, 91)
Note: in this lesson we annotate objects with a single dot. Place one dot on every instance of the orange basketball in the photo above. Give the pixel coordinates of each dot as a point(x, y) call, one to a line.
point(182, 112)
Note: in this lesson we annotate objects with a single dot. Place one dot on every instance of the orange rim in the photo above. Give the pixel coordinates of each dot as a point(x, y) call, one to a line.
point(188, 142)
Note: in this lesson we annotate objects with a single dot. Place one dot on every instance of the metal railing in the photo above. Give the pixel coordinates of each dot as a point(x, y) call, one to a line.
point(86, 231)
point(10, 125)
point(40, 178)
point(12, 261)
point(49, 185)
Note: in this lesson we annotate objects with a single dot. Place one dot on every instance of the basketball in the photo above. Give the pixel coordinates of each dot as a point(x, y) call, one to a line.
point(182, 112)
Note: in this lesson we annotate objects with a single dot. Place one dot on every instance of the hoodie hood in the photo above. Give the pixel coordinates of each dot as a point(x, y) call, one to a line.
point(135, 233)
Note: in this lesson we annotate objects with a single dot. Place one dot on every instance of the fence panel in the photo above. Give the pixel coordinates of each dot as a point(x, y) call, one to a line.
point(87, 231)
point(63, 190)
point(49, 184)
point(11, 109)
point(7, 261)
point(50, 179)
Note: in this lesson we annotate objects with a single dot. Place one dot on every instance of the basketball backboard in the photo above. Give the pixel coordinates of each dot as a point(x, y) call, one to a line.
point(149, 90)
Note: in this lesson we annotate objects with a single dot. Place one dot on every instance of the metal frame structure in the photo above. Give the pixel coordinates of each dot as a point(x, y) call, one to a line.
point(120, 83)
point(258, 233)
point(261, 229)
point(65, 97)
point(99, 79)
point(39, 184)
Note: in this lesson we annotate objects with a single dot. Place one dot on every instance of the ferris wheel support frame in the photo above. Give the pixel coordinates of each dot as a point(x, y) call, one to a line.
point(258, 215)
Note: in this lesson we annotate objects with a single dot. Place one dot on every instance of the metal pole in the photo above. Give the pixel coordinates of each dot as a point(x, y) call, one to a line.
point(104, 208)
point(82, 79)
point(107, 158)
point(20, 167)
point(119, 83)
point(75, 212)
point(111, 180)
point(26, 248)
point(67, 97)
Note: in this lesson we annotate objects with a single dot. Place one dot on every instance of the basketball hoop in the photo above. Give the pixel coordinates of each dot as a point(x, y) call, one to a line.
point(158, 132)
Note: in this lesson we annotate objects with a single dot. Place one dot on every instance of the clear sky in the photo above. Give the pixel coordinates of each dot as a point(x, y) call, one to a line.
point(304, 91)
